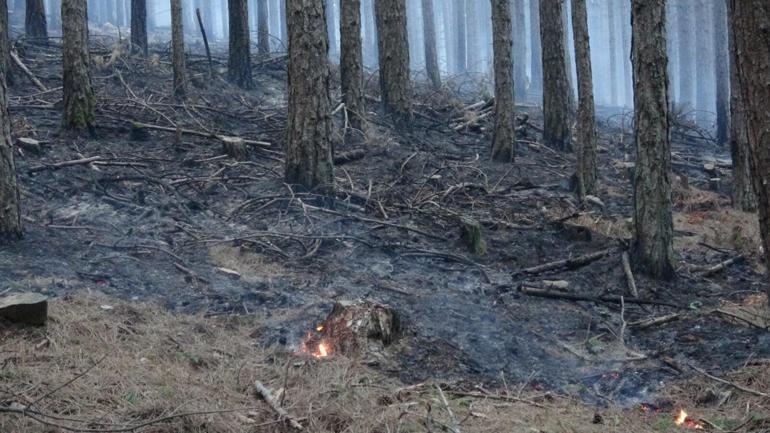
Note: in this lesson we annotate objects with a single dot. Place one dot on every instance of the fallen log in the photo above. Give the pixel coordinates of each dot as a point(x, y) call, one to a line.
point(721, 266)
point(551, 294)
point(350, 156)
point(27, 72)
point(271, 401)
point(198, 134)
point(571, 263)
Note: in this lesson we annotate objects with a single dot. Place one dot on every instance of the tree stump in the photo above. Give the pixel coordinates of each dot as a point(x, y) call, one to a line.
point(235, 148)
point(26, 308)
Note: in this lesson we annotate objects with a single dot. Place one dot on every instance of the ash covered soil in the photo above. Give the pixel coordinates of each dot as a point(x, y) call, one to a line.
point(170, 218)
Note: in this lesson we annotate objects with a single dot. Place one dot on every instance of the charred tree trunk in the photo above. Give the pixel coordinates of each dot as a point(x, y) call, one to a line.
point(519, 50)
point(429, 39)
point(536, 60)
point(585, 132)
point(557, 94)
point(461, 65)
point(750, 20)
point(393, 46)
point(10, 215)
point(743, 195)
point(35, 25)
point(177, 49)
point(79, 100)
point(722, 57)
point(611, 36)
point(308, 146)
point(653, 235)
point(239, 59)
point(5, 42)
point(351, 60)
point(686, 78)
point(139, 25)
point(503, 137)
point(263, 31)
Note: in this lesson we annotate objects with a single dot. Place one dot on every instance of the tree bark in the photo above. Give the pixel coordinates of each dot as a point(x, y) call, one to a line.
point(395, 83)
point(351, 60)
point(653, 235)
point(536, 52)
point(5, 42)
point(308, 147)
point(503, 137)
point(10, 214)
point(139, 25)
point(557, 93)
point(35, 25)
point(263, 30)
point(585, 133)
point(750, 20)
point(429, 39)
point(519, 50)
point(177, 49)
point(722, 57)
point(743, 196)
point(686, 62)
point(239, 59)
point(79, 99)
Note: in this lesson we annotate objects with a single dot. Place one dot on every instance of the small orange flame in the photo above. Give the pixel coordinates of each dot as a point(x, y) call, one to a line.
point(682, 419)
point(323, 351)
point(319, 328)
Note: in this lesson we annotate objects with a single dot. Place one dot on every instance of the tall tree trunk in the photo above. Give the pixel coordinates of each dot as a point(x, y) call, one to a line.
point(536, 52)
point(429, 39)
point(177, 49)
point(395, 83)
point(557, 94)
point(79, 99)
point(351, 60)
point(35, 25)
point(750, 20)
point(628, 85)
point(585, 132)
point(472, 45)
point(55, 15)
point(743, 196)
point(653, 235)
point(239, 59)
point(370, 32)
point(10, 215)
point(685, 23)
point(120, 13)
point(519, 50)
point(331, 29)
point(139, 25)
point(308, 146)
point(461, 65)
point(722, 57)
point(224, 17)
point(503, 137)
point(704, 71)
point(5, 42)
point(611, 36)
point(263, 30)
point(284, 27)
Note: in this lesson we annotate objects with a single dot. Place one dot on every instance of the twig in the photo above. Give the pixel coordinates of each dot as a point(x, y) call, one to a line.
point(455, 425)
point(727, 382)
point(265, 393)
point(629, 274)
point(59, 165)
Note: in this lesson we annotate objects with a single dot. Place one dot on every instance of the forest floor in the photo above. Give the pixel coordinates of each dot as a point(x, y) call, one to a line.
point(244, 266)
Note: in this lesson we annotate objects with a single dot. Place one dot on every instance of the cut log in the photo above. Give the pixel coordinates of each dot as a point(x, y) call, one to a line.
point(26, 308)
point(235, 148)
point(30, 145)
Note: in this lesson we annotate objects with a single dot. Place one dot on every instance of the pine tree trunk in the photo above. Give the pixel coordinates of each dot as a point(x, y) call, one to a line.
point(704, 72)
point(5, 45)
point(722, 56)
point(370, 32)
point(472, 46)
point(585, 132)
point(284, 27)
point(652, 246)
point(55, 14)
point(461, 65)
point(503, 137)
point(351, 60)
point(224, 17)
point(557, 94)
point(686, 78)
point(429, 39)
point(743, 196)
point(79, 99)
point(519, 50)
point(177, 49)
point(395, 83)
point(611, 14)
point(263, 30)
point(750, 20)
point(35, 24)
point(628, 84)
point(139, 25)
point(331, 29)
point(239, 58)
point(536, 52)
point(10, 215)
point(308, 146)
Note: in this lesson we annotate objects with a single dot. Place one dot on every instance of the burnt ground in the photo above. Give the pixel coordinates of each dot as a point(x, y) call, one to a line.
point(171, 219)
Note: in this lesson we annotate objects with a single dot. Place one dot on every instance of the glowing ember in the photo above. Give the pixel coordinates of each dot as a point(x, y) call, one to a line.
point(681, 419)
point(322, 351)
point(319, 328)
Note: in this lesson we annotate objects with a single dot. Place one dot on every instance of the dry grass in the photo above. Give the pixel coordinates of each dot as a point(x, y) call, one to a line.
point(154, 364)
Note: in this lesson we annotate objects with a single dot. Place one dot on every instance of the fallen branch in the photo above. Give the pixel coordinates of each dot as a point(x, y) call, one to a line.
point(63, 164)
point(199, 134)
point(629, 274)
point(540, 293)
point(265, 393)
point(571, 263)
point(27, 72)
point(346, 157)
point(721, 266)
point(727, 382)
point(655, 321)
point(455, 425)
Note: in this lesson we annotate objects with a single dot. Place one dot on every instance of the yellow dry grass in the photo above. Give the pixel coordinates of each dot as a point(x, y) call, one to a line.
point(142, 362)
